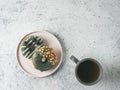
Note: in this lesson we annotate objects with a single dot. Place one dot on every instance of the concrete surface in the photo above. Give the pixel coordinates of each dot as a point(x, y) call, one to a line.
point(85, 28)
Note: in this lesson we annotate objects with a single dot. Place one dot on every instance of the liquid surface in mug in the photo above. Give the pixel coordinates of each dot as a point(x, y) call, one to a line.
point(88, 71)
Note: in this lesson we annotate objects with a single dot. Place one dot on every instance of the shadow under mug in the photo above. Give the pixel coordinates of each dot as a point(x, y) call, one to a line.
point(88, 71)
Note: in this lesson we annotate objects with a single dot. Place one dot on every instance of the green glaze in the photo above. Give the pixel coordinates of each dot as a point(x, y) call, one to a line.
point(30, 44)
point(39, 64)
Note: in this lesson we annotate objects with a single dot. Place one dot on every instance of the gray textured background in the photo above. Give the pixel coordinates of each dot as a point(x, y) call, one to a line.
point(85, 28)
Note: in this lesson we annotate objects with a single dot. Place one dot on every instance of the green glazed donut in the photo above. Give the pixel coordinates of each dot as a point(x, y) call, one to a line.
point(40, 62)
point(30, 44)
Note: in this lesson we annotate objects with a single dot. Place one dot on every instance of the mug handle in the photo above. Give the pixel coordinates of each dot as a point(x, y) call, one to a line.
point(74, 59)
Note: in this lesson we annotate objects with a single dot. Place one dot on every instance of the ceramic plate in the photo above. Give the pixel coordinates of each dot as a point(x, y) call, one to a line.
point(49, 40)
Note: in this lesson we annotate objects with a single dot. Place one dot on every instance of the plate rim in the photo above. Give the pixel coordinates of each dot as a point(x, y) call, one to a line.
point(18, 59)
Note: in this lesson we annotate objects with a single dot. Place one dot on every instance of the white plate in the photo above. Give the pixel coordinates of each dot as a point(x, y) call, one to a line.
point(49, 40)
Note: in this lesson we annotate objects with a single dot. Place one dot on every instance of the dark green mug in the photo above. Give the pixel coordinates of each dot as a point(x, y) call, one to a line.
point(88, 71)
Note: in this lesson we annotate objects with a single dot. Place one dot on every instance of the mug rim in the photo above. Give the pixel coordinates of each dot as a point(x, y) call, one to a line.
point(100, 75)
